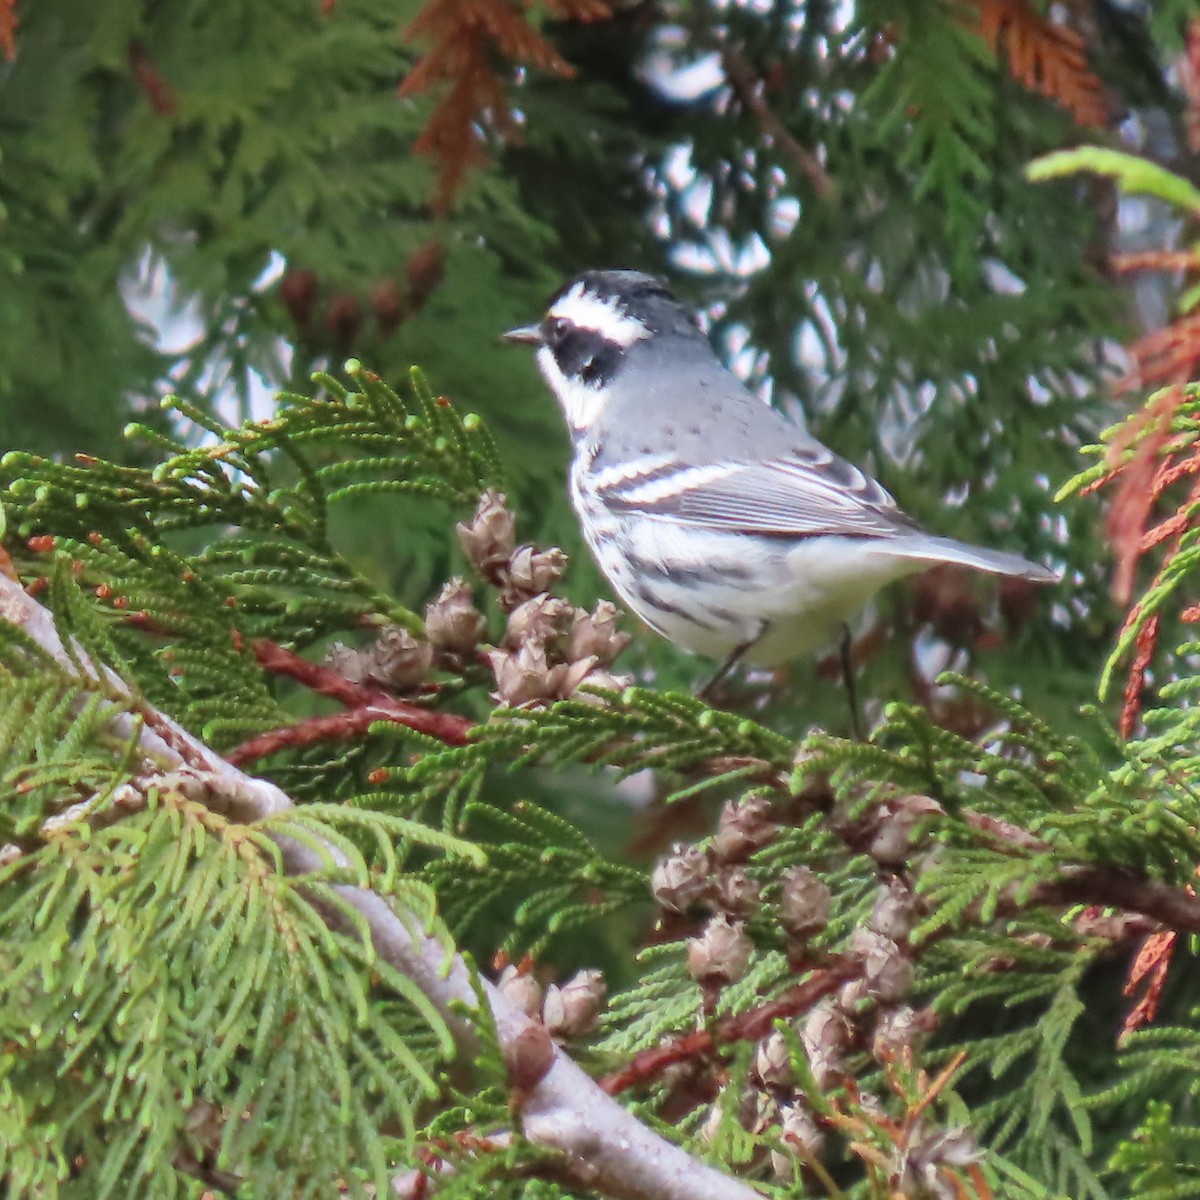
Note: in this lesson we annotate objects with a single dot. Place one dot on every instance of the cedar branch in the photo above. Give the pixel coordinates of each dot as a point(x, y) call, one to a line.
point(564, 1110)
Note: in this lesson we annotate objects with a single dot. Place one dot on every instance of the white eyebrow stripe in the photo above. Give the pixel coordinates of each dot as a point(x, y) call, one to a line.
point(585, 310)
point(678, 482)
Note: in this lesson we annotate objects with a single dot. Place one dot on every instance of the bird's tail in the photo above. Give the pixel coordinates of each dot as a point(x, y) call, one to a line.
point(926, 548)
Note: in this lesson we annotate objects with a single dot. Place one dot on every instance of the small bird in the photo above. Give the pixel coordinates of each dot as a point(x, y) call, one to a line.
point(724, 526)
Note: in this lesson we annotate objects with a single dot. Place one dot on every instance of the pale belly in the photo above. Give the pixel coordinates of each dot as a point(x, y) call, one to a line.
point(711, 592)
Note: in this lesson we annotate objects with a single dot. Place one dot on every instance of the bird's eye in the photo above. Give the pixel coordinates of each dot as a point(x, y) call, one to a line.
point(555, 330)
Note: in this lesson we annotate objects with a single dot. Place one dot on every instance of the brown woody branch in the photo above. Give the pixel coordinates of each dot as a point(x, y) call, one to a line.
point(751, 1026)
point(1110, 887)
point(343, 726)
point(1098, 886)
point(1077, 883)
point(749, 90)
point(365, 706)
point(317, 678)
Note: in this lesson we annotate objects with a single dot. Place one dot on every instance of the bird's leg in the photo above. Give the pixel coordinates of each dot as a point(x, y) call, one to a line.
point(846, 648)
point(706, 692)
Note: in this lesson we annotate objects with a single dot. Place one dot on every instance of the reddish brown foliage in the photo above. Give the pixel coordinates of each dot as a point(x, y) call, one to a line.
point(1189, 83)
point(1143, 481)
point(1156, 260)
point(391, 299)
point(1150, 968)
point(154, 86)
point(8, 29)
point(1136, 495)
point(1170, 355)
point(466, 37)
point(1044, 56)
point(862, 1129)
point(1147, 640)
point(1165, 359)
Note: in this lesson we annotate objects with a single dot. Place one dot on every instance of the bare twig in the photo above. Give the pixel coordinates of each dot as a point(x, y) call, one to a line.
point(562, 1109)
point(748, 88)
point(1113, 888)
point(749, 1026)
point(1005, 833)
point(337, 727)
point(446, 727)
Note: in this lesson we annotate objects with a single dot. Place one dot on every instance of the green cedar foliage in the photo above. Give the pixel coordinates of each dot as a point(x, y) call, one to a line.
point(159, 971)
point(161, 975)
point(173, 1012)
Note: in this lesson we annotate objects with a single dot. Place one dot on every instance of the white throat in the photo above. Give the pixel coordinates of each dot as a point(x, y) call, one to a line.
point(582, 403)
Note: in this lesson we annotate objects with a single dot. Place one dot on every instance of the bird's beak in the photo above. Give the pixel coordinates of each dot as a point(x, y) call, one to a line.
point(529, 335)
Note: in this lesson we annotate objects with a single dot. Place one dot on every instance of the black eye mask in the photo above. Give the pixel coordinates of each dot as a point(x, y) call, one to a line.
point(584, 354)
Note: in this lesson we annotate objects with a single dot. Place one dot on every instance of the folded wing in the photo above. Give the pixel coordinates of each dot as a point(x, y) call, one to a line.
point(804, 493)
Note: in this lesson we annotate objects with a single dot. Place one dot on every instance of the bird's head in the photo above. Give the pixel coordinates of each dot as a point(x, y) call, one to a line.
point(590, 327)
